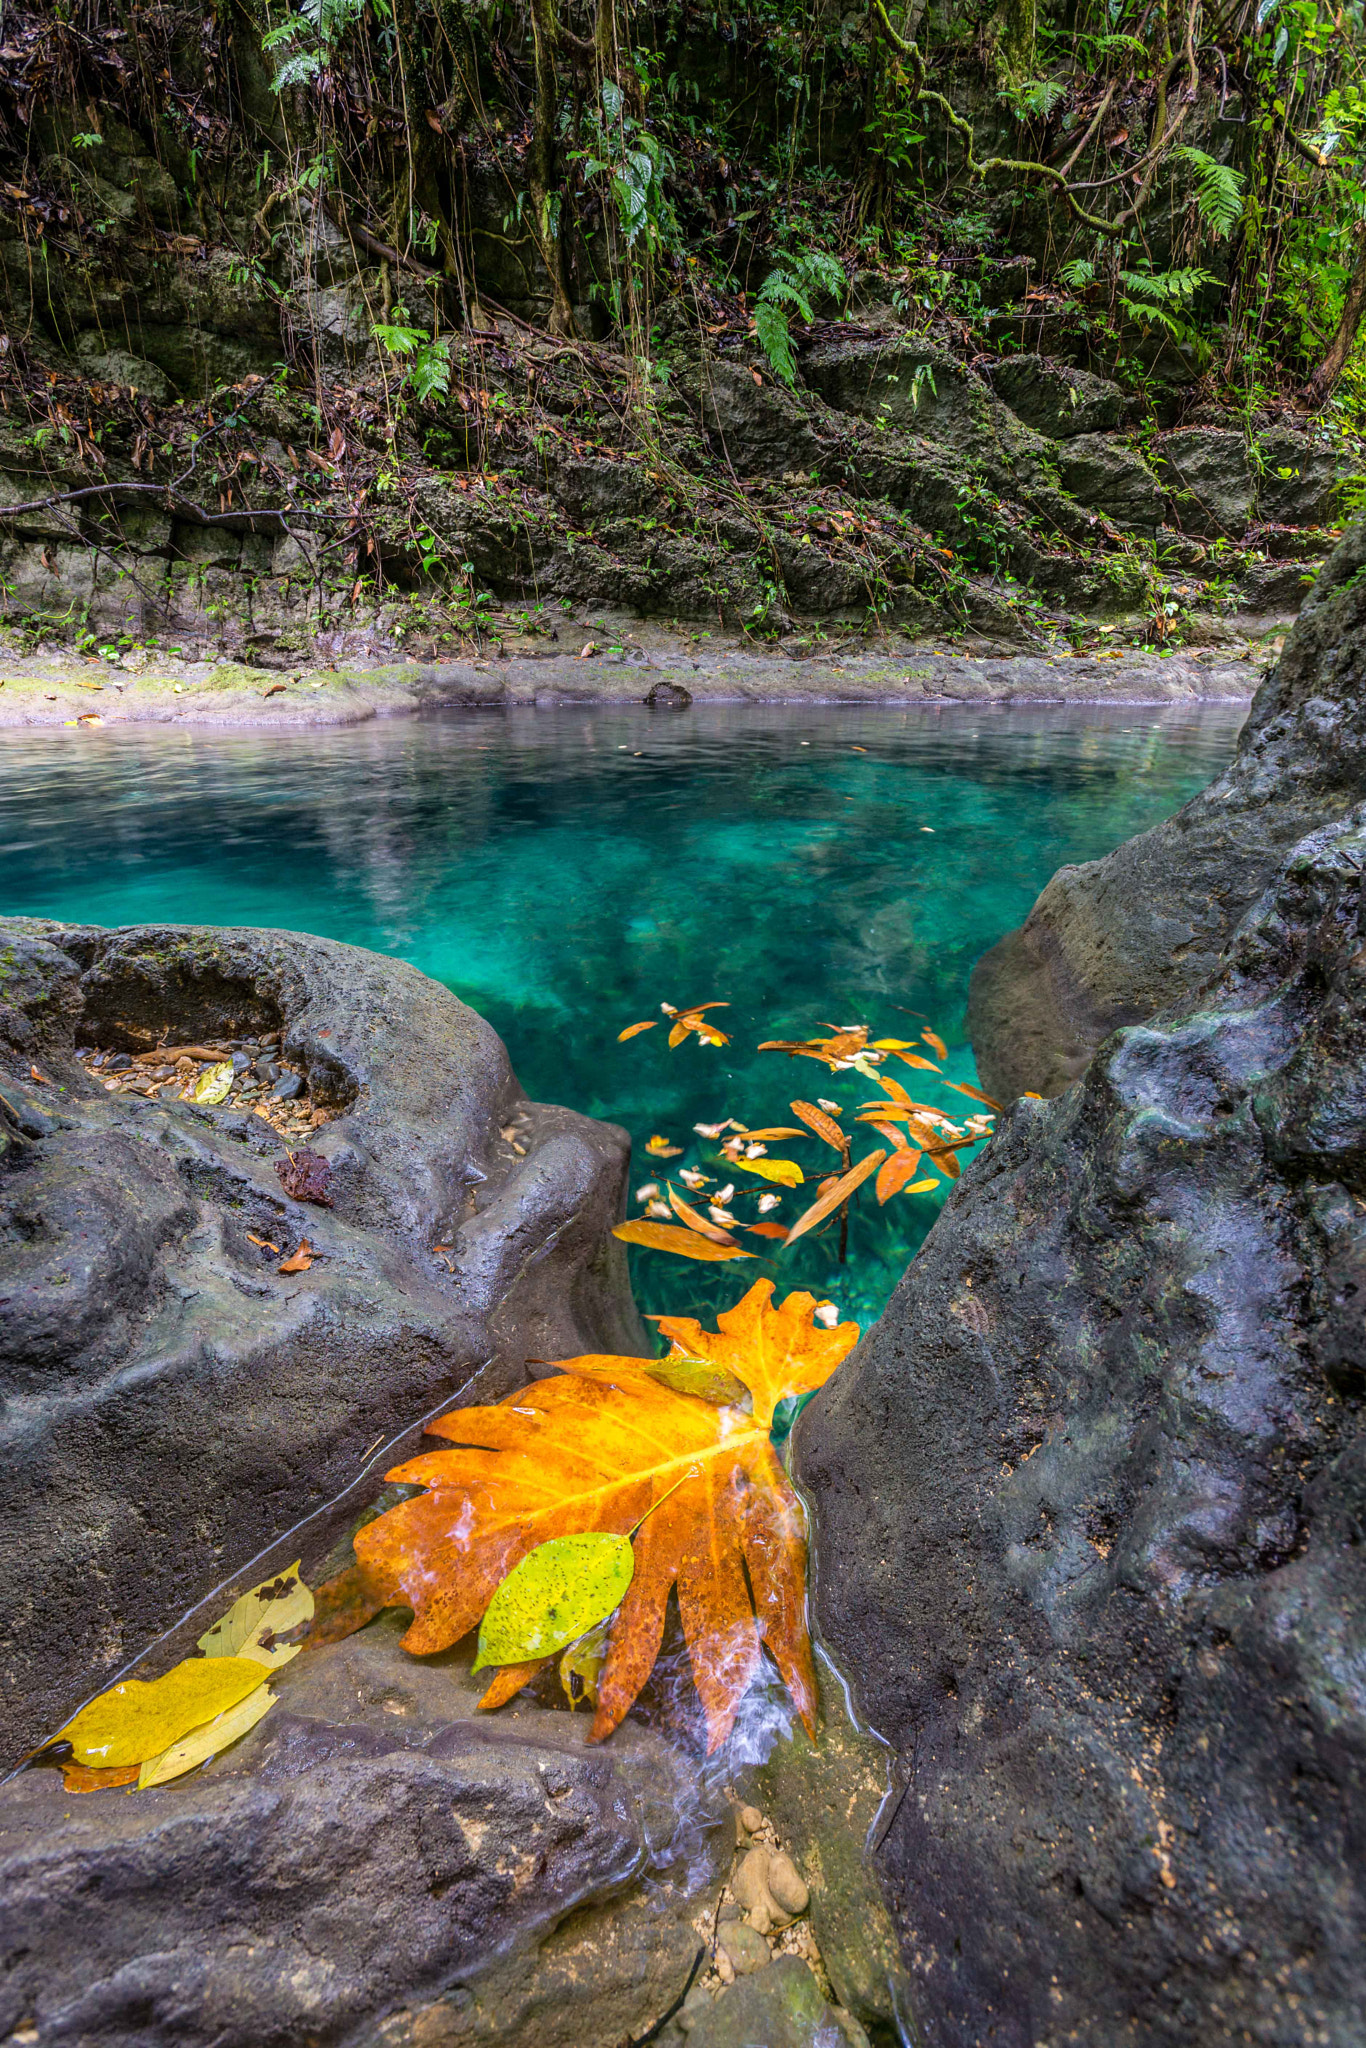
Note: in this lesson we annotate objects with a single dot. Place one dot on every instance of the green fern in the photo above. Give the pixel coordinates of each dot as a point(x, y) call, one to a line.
point(1218, 191)
point(775, 338)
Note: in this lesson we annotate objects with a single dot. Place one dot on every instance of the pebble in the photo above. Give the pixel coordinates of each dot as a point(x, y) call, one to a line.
point(288, 1087)
point(745, 1950)
point(751, 1820)
point(786, 1885)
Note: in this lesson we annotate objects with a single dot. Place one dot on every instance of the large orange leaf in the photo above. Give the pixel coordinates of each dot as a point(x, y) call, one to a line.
point(594, 1448)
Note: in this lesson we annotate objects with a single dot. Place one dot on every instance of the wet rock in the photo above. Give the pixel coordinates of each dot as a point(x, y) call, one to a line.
point(1110, 941)
point(1298, 477)
point(172, 1401)
point(373, 1862)
point(786, 1885)
point(1093, 1551)
point(781, 2007)
point(1208, 478)
point(1056, 399)
point(669, 697)
point(1103, 471)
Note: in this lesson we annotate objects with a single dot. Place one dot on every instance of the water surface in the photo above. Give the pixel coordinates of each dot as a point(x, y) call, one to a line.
point(566, 872)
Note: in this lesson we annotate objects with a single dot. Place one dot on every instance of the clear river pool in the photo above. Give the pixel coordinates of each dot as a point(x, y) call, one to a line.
point(566, 872)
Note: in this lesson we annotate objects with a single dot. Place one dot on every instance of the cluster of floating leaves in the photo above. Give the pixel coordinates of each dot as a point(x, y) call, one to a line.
point(920, 1148)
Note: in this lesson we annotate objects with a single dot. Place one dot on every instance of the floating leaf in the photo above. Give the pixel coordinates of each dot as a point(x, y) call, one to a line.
point(213, 1085)
point(688, 1374)
point(685, 1213)
point(668, 1237)
point(269, 1623)
point(557, 1592)
point(662, 1149)
point(768, 1229)
point(206, 1741)
point(634, 1030)
point(779, 1131)
point(300, 1261)
point(593, 1449)
point(824, 1126)
point(786, 1172)
point(913, 1059)
point(895, 1172)
point(142, 1717)
point(977, 1094)
point(837, 1192)
point(936, 1043)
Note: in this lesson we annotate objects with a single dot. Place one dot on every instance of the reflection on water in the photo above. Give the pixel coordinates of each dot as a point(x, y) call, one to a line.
point(567, 871)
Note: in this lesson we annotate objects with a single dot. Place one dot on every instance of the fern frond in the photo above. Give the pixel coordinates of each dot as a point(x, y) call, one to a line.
point(1218, 190)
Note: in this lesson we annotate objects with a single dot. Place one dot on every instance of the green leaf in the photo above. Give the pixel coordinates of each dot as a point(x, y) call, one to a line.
point(214, 1083)
point(775, 339)
point(688, 1374)
point(557, 1593)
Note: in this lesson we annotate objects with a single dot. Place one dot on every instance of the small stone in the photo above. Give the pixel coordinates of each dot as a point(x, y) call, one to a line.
point(750, 1886)
point(751, 1820)
point(119, 1064)
point(786, 1885)
point(746, 1950)
point(288, 1087)
point(730, 1911)
point(725, 1968)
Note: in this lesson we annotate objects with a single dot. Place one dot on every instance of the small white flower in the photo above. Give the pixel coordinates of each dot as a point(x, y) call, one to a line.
point(832, 1107)
point(709, 1130)
point(691, 1178)
point(828, 1314)
point(727, 1193)
point(659, 1209)
point(767, 1202)
point(718, 1214)
point(755, 1151)
point(648, 1192)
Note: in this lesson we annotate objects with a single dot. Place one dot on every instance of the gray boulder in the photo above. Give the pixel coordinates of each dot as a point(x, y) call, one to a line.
point(1109, 942)
point(1056, 399)
point(1089, 1508)
point(373, 1862)
point(1104, 472)
point(1208, 478)
point(1298, 478)
point(172, 1401)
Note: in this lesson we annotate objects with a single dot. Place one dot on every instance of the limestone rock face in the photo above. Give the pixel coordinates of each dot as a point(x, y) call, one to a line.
point(1206, 472)
point(1103, 471)
point(1089, 1505)
point(1056, 399)
point(173, 1402)
point(1109, 942)
point(374, 1862)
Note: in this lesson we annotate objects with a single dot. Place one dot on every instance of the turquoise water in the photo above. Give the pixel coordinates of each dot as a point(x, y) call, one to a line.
point(566, 872)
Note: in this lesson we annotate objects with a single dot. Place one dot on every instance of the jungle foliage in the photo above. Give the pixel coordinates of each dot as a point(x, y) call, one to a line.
point(1150, 173)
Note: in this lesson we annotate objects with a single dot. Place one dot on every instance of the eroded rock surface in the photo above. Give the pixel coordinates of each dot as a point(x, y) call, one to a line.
point(373, 1863)
point(1109, 942)
point(173, 1402)
point(1091, 1498)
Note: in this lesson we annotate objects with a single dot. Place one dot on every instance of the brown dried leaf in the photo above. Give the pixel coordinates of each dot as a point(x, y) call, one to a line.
point(824, 1126)
point(300, 1261)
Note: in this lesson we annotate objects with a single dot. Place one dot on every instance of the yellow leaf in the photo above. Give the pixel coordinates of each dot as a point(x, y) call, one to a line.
point(668, 1237)
point(257, 1624)
point(824, 1126)
point(632, 1030)
point(208, 1740)
point(785, 1171)
point(936, 1043)
point(213, 1085)
point(687, 1214)
point(142, 1717)
point(662, 1149)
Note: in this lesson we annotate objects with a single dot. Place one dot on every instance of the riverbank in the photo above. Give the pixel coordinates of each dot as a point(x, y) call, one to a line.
point(635, 667)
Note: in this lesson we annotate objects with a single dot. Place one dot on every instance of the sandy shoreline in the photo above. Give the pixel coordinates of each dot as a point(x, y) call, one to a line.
point(58, 690)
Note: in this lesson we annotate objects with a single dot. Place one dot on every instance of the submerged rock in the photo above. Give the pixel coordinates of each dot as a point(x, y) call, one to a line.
point(373, 1863)
point(174, 1398)
point(1091, 1498)
point(1109, 942)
